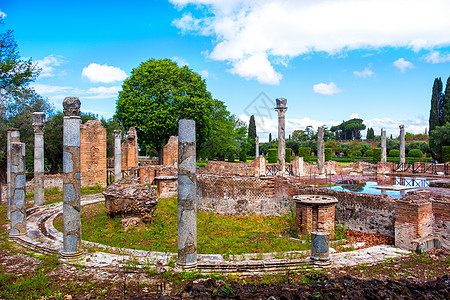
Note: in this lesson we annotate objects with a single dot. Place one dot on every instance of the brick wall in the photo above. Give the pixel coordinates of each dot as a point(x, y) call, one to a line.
point(93, 153)
point(170, 152)
point(130, 153)
point(241, 169)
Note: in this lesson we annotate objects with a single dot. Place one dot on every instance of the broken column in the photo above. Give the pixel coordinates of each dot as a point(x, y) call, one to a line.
point(117, 155)
point(320, 151)
point(383, 146)
point(71, 176)
point(38, 126)
point(281, 109)
point(402, 144)
point(18, 204)
point(13, 136)
point(257, 146)
point(187, 207)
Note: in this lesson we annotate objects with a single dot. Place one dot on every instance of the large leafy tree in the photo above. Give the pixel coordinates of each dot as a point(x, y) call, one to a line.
point(349, 130)
point(158, 94)
point(441, 137)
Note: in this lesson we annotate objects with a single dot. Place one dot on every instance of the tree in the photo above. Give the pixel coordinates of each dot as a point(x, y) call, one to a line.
point(441, 137)
point(435, 104)
point(349, 130)
point(445, 105)
point(252, 136)
point(157, 95)
point(370, 134)
point(270, 137)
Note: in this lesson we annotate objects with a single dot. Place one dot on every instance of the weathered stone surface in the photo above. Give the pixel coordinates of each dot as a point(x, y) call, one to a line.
point(281, 109)
point(402, 144)
point(128, 198)
point(129, 156)
point(170, 152)
point(17, 202)
point(117, 155)
point(93, 153)
point(71, 106)
point(383, 146)
point(320, 151)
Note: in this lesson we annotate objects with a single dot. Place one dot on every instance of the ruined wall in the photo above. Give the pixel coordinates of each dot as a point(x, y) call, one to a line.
point(93, 153)
point(170, 152)
point(130, 158)
point(241, 169)
point(164, 177)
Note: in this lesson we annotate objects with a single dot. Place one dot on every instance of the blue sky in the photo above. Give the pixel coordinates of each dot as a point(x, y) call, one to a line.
point(331, 60)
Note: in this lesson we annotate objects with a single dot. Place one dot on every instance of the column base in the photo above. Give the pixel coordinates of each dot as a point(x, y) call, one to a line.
point(72, 256)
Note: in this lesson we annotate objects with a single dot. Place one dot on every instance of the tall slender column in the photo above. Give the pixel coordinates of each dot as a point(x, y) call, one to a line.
point(383, 146)
point(13, 136)
point(281, 109)
point(402, 144)
point(71, 176)
point(256, 146)
point(320, 151)
point(18, 204)
point(117, 155)
point(187, 193)
point(38, 125)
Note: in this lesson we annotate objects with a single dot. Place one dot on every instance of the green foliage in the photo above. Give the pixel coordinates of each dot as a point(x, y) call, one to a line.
point(270, 137)
point(157, 95)
point(445, 154)
point(415, 153)
point(334, 145)
point(439, 137)
point(305, 152)
point(364, 147)
point(243, 155)
point(111, 125)
point(370, 134)
point(435, 101)
point(369, 152)
point(349, 130)
point(394, 153)
point(230, 156)
point(272, 156)
point(422, 146)
point(328, 154)
point(288, 155)
point(445, 104)
point(358, 153)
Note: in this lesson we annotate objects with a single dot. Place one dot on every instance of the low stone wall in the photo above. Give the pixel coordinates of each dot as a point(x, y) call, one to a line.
point(230, 168)
point(163, 176)
point(50, 181)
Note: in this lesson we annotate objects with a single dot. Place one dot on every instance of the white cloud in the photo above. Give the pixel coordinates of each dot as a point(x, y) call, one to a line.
point(328, 89)
point(180, 61)
point(102, 92)
point(414, 126)
point(58, 93)
point(354, 116)
point(436, 57)
point(243, 29)
point(48, 65)
point(403, 64)
point(367, 72)
point(204, 74)
point(256, 67)
point(103, 73)
point(2, 14)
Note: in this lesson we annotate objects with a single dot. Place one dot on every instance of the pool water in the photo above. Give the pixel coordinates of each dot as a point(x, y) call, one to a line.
point(369, 188)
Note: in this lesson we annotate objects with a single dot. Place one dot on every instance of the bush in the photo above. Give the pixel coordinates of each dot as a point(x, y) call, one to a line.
point(358, 153)
point(376, 154)
point(305, 152)
point(369, 152)
point(230, 156)
point(288, 155)
point(272, 156)
point(394, 153)
point(328, 154)
point(243, 155)
point(445, 154)
point(415, 153)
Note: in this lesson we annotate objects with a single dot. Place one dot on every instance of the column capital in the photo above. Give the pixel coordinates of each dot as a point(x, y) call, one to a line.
point(38, 119)
point(117, 134)
point(71, 106)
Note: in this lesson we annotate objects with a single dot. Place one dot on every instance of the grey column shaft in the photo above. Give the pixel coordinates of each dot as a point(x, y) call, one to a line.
point(117, 155)
point(402, 144)
point(383, 146)
point(18, 203)
point(256, 147)
point(281, 109)
point(13, 136)
point(38, 125)
point(187, 193)
point(320, 151)
point(71, 176)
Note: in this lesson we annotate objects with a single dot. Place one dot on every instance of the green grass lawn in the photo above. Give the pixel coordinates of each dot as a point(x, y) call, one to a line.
point(216, 233)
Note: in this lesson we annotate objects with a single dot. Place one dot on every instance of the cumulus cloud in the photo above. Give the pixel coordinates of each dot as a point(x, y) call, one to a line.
point(180, 61)
point(270, 29)
point(256, 67)
point(58, 93)
point(354, 116)
point(49, 64)
point(403, 64)
point(436, 57)
point(204, 74)
point(328, 89)
point(2, 14)
point(367, 72)
point(103, 73)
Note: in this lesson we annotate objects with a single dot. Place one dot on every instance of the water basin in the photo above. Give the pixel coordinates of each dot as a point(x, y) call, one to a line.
point(371, 187)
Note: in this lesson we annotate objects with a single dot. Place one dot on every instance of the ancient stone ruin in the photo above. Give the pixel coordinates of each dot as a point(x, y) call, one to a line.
point(93, 153)
point(130, 154)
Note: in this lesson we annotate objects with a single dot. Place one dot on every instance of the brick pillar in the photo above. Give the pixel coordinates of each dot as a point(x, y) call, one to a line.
point(13, 136)
point(71, 177)
point(117, 155)
point(93, 153)
point(38, 126)
point(18, 203)
point(281, 109)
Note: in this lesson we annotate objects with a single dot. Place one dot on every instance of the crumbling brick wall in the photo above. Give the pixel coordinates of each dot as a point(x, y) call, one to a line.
point(93, 153)
point(240, 169)
point(130, 154)
point(170, 152)
point(166, 179)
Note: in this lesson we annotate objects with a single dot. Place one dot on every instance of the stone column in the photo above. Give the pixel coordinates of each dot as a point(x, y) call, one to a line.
point(281, 109)
point(117, 155)
point(18, 203)
point(13, 136)
point(320, 151)
point(187, 206)
point(402, 144)
point(38, 125)
point(256, 146)
point(71, 176)
point(383, 146)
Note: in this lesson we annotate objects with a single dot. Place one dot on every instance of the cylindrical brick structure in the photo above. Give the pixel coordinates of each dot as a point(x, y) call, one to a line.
point(38, 126)
point(13, 136)
point(71, 177)
point(18, 204)
point(320, 151)
point(383, 146)
point(117, 155)
point(187, 193)
point(281, 109)
point(402, 144)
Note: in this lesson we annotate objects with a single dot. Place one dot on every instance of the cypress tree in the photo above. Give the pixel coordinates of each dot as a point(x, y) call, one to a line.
point(445, 110)
point(270, 137)
point(435, 104)
point(252, 128)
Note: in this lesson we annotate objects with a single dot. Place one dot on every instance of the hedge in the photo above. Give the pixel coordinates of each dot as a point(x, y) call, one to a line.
point(376, 157)
point(288, 155)
point(445, 154)
point(394, 153)
point(243, 155)
point(415, 153)
point(305, 152)
point(272, 156)
point(230, 156)
point(328, 154)
point(369, 152)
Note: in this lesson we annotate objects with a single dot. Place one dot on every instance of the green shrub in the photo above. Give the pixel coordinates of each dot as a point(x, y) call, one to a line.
point(358, 153)
point(376, 154)
point(394, 153)
point(415, 153)
point(243, 155)
point(288, 154)
point(328, 154)
point(445, 154)
point(272, 156)
point(369, 152)
point(305, 152)
point(230, 156)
